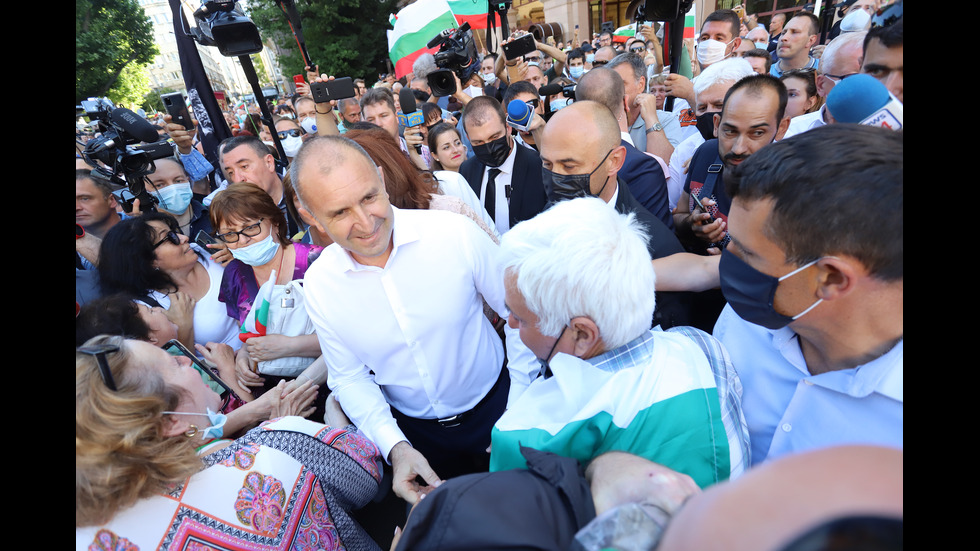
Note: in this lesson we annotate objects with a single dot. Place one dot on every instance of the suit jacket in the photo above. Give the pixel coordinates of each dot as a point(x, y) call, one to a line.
point(647, 182)
point(527, 195)
point(673, 308)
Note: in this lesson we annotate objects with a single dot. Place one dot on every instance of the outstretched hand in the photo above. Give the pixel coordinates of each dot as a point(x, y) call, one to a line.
point(407, 464)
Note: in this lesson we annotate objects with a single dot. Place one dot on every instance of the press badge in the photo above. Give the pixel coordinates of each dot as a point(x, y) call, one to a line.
point(287, 301)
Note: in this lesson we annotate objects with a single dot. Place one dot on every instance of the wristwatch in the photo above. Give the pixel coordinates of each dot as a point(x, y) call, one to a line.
point(655, 128)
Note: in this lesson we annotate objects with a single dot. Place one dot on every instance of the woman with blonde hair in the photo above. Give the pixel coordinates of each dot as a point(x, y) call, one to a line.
point(144, 480)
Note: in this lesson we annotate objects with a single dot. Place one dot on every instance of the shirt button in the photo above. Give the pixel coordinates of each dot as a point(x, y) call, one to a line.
point(787, 427)
point(808, 382)
point(436, 402)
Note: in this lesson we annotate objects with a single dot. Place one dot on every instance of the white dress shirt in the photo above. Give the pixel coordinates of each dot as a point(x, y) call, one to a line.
point(502, 203)
point(453, 183)
point(414, 334)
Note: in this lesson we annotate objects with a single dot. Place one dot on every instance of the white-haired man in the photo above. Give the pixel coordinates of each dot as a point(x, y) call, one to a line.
point(608, 381)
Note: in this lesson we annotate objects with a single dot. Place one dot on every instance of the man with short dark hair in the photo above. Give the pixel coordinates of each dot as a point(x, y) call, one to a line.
point(814, 321)
point(775, 32)
point(247, 159)
point(751, 118)
point(506, 177)
point(378, 107)
point(759, 59)
point(718, 40)
point(884, 56)
point(95, 205)
point(800, 35)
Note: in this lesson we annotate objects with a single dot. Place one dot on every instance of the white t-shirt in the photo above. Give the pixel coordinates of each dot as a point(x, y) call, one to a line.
point(211, 320)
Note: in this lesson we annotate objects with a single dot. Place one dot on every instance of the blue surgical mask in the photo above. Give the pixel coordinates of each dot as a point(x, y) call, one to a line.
point(175, 198)
point(576, 72)
point(217, 420)
point(762, 45)
point(557, 104)
point(752, 293)
point(589, 58)
point(257, 254)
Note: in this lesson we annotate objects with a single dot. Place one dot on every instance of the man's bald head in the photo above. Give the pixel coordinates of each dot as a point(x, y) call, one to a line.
point(323, 154)
point(776, 502)
point(592, 122)
point(603, 86)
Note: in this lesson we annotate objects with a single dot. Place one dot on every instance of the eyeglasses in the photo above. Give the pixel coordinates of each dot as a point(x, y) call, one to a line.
point(100, 351)
point(295, 133)
point(838, 78)
point(171, 236)
point(598, 63)
point(248, 231)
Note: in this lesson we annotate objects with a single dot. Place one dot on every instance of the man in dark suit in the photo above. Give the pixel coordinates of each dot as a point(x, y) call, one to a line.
point(642, 173)
point(582, 154)
point(507, 179)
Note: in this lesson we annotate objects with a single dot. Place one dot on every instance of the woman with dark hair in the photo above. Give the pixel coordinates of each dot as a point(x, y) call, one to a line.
point(446, 146)
point(801, 86)
point(250, 224)
point(148, 258)
point(145, 478)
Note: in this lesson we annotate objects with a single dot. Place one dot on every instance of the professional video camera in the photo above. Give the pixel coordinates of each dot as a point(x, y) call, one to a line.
point(223, 23)
point(457, 54)
point(115, 155)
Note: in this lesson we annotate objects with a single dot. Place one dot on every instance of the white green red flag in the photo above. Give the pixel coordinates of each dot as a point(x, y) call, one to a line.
point(473, 12)
point(414, 26)
point(257, 321)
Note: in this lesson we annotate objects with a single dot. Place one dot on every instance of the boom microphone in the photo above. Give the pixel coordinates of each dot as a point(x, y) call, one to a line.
point(550, 90)
point(134, 125)
point(864, 99)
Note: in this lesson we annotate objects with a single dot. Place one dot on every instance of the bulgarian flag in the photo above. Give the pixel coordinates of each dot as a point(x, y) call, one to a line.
point(473, 12)
point(689, 22)
point(257, 321)
point(414, 26)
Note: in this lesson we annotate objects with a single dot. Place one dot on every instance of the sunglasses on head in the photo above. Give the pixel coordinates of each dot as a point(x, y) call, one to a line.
point(100, 351)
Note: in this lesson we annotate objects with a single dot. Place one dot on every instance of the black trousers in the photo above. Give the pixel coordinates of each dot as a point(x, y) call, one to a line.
point(455, 449)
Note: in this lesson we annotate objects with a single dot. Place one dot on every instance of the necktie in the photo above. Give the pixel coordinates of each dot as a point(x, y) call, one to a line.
point(490, 198)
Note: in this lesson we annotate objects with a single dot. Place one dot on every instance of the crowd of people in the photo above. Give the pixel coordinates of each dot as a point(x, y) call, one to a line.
point(655, 311)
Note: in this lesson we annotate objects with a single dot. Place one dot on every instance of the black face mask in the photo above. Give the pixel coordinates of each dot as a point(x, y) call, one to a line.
point(706, 124)
point(493, 153)
point(569, 186)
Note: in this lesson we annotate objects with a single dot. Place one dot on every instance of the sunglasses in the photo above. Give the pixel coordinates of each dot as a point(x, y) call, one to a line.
point(100, 351)
point(248, 231)
point(171, 236)
point(637, 49)
point(533, 103)
point(838, 78)
point(532, 58)
point(599, 63)
point(295, 133)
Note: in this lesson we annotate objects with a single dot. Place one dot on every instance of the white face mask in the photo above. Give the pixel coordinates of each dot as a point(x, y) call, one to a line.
point(474, 91)
point(489, 78)
point(762, 45)
point(309, 124)
point(711, 51)
point(291, 145)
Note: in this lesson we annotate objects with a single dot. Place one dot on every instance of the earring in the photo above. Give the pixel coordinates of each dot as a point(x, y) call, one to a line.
point(191, 431)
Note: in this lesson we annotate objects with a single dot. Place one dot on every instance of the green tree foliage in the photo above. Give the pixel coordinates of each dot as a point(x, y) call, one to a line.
point(131, 87)
point(343, 37)
point(109, 35)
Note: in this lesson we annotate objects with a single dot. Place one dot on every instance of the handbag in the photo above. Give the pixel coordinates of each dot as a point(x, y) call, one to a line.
point(288, 316)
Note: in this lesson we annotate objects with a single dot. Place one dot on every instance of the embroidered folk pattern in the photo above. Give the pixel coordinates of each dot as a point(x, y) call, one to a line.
point(105, 540)
point(260, 502)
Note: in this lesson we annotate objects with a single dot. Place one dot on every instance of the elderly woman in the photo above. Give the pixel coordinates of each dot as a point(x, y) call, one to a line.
point(248, 221)
point(143, 480)
point(147, 257)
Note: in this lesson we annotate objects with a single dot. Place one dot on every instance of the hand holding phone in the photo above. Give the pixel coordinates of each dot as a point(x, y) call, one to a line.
point(177, 108)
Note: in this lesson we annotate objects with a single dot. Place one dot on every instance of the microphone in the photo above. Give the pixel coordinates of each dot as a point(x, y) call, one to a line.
point(550, 89)
point(133, 125)
point(412, 115)
point(519, 114)
point(863, 99)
